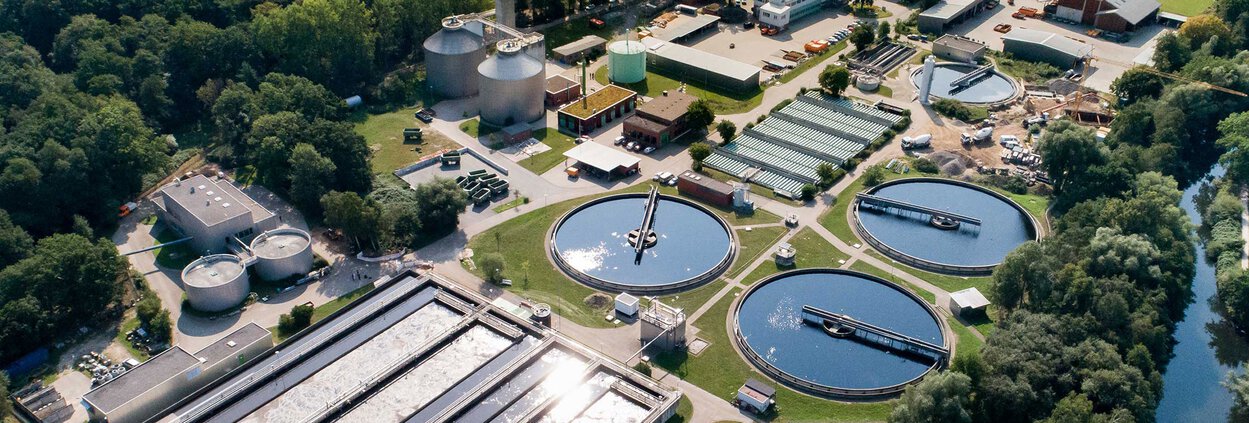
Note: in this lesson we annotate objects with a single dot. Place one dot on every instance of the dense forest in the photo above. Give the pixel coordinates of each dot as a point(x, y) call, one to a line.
point(1087, 316)
point(90, 92)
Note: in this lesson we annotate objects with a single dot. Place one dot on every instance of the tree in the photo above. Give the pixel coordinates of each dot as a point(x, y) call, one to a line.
point(1238, 384)
point(147, 309)
point(302, 315)
point(882, 30)
point(1235, 139)
point(311, 176)
point(439, 204)
point(1137, 83)
point(1171, 52)
point(699, 115)
point(699, 152)
point(6, 407)
point(809, 192)
point(828, 174)
point(404, 223)
point(873, 176)
point(161, 326)
point(492, 265)
point(862, 36)
point(1203, 28)
point(357, 217)
point(860, 4)
point(327, 41)
point(835, 79)
point(726, 129)
point(1067, 151)
point(941, 397)
point(23, 77)
point(15, 243)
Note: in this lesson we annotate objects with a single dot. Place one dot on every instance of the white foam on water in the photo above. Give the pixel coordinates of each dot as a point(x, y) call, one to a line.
point(613, 408)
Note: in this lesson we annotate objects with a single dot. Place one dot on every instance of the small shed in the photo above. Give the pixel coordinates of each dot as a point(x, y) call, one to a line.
point(588, 46)
point(958, 48)
point(756, 395)
point(561, 90)
point(627, 304)
point(969, 299)
point(785, 254)
point(705, 188)
point(516, 133)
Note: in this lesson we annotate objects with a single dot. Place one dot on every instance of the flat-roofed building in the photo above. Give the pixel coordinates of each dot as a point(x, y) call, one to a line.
point(958, 48)
point(1048, 47)
point(705, 188)
point(660, 120)
point(561, 90)
point(589, 46)
point(596, 110)
point(144, 392)
point(946, 13)
point(603, 161)
point(780, 13)
point(696, 66)
point(686, 28)
point(1110, 15)
point(212, 211)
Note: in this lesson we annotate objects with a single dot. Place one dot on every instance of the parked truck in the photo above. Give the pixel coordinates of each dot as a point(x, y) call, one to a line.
point(920, 141)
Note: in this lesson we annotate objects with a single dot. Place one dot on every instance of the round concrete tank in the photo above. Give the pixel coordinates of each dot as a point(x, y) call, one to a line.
point(282, 253)
point(450, 55)
point(215, 283)
point(626, 61)
point(516, 83)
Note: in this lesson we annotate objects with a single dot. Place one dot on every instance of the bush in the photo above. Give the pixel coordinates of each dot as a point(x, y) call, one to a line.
point(874, 176)
point(1015, 185)
point(761, 118)
point(808, 192)
point(491, 265)
point(924, 165)
point(952, 109)
point(302, 315)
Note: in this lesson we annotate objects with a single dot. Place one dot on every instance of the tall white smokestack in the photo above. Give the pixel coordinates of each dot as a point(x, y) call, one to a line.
point(505, 12)
point(925, 84)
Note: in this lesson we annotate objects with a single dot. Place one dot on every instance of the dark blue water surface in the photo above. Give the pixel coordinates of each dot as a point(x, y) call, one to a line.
point(594, 241)
point(1003, 227)
point(771, 321)
point(990, 89)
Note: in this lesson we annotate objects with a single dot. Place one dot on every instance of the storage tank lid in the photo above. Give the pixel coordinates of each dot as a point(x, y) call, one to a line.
point(212, 271)
point(280, 243)
point(509, 64)
point(453, 39)
point(627, 47)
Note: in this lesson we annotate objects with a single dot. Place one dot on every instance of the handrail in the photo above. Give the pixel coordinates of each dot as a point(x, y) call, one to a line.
point(899, 204)
point(822, 315)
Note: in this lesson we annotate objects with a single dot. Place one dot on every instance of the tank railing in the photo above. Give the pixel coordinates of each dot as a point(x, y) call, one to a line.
point(916, 262)
point(292, 357)
point(903, 205)
point(971, 76)
point(648, 222)
point(885, 337)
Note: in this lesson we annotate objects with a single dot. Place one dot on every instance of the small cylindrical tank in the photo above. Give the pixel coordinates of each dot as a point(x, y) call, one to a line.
point(626, 61)
point(514, 86)
point(215, 283)
point(282, 253)
point(451, 54)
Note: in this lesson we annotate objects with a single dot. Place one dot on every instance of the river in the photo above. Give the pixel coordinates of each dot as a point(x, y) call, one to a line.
point(1207, 347)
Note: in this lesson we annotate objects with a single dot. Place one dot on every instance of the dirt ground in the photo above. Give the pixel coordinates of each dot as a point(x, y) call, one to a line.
point(946, 136)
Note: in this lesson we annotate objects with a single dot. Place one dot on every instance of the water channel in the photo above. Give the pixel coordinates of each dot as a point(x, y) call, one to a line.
point(1207, 347)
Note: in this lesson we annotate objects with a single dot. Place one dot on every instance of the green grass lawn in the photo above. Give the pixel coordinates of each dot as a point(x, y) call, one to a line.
point(753, 243)
point(815, 61)
point(546, 160)
point(725, 103)
point(968, 343)
point(126, 326)
point(516, 202)
point(324, 310)
point(877, 272)
point(692, 300)
point(813, 251)
point(1186, 7)
point(720, 371)
point(384, 135)
point(475, 128)
point(174, 256)
point(947, 282)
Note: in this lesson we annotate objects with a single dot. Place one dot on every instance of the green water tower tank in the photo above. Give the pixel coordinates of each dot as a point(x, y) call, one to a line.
point(626, 61)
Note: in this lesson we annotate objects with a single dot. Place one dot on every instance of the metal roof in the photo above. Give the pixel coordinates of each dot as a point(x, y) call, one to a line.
point(453, 41)
point(205, 199)
point(117, 392)
point(1133, 11)
point(969, 298)
point(1050, 40)
point(601, 157)
point(585, 43)
point(760, 387)
point(241, 337)
point(948, 9)
point(686, 27)
point(700, 59)
point(510, 66)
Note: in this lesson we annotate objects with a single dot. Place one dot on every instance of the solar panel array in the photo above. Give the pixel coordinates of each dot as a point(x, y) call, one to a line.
point(783, 152)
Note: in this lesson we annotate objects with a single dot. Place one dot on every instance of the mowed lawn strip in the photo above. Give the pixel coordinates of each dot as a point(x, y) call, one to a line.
point(813, 251)
point(753, 243)
point(384, 135)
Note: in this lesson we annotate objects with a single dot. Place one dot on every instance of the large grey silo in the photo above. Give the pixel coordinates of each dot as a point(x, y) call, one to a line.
point(513, 86)
point(451, 54)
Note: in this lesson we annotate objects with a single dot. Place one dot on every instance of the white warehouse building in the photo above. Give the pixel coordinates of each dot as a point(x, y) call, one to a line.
point(212, 212)
point(780, 13)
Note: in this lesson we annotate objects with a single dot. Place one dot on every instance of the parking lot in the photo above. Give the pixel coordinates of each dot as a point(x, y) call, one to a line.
point(1117, 57)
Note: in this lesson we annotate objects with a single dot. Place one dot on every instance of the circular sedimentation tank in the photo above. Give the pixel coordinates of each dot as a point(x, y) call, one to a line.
point(215, 283)
point(515, 84)
point(991, 88)
point(626, 61)
point(691, 245)
point(937, 243)
point(282, 253)
point(450, 54)
point(808, 353)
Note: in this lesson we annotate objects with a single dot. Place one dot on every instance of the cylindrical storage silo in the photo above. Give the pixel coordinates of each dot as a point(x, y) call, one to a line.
point(282, 253)
point(513, 86)
point(215, 283)
point(626, 61)
point(451, 54)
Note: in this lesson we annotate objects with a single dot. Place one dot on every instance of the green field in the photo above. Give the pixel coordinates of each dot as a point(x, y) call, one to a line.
point(753, 243)
point(384, 135)
point(860, 266)
point(724, 103)
point(546, 160)
point(174, 256)
point(1186, 7)
point(813, 251)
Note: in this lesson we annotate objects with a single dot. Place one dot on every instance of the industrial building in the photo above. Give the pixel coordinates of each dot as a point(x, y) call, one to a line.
point(212, 212)
point(687, 28)
point(282, 253)
point(590, 46)
point(783, 152)
point(603, 161)
point(596, 110)
point(516, 83)
point(515, 76)
point(626, 62)
point(946, 13)
point(146, 391)
point(779, 13)
point(705, 188)
point(660, 120)
point(1048, 47)
point(216, 283)
point(967, 301)
point(421, 349)
point(699, 67)
point(1110, 15)
point(460, 45)
point(561, 90)
point(958, 48)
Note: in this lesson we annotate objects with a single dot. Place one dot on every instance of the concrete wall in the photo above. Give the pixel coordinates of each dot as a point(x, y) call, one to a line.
point(207, 239)
point(157, 399)
point(1038, 53)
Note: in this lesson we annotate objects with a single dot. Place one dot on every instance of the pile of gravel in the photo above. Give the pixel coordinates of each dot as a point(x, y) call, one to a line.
point(951, 163)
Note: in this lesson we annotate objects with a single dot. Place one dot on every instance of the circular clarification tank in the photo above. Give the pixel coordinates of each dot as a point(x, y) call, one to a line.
point(1004, 225)
point(692, 245)
point(770, 329)
point(215, 283)
point(992, 87)
point(281, 253)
